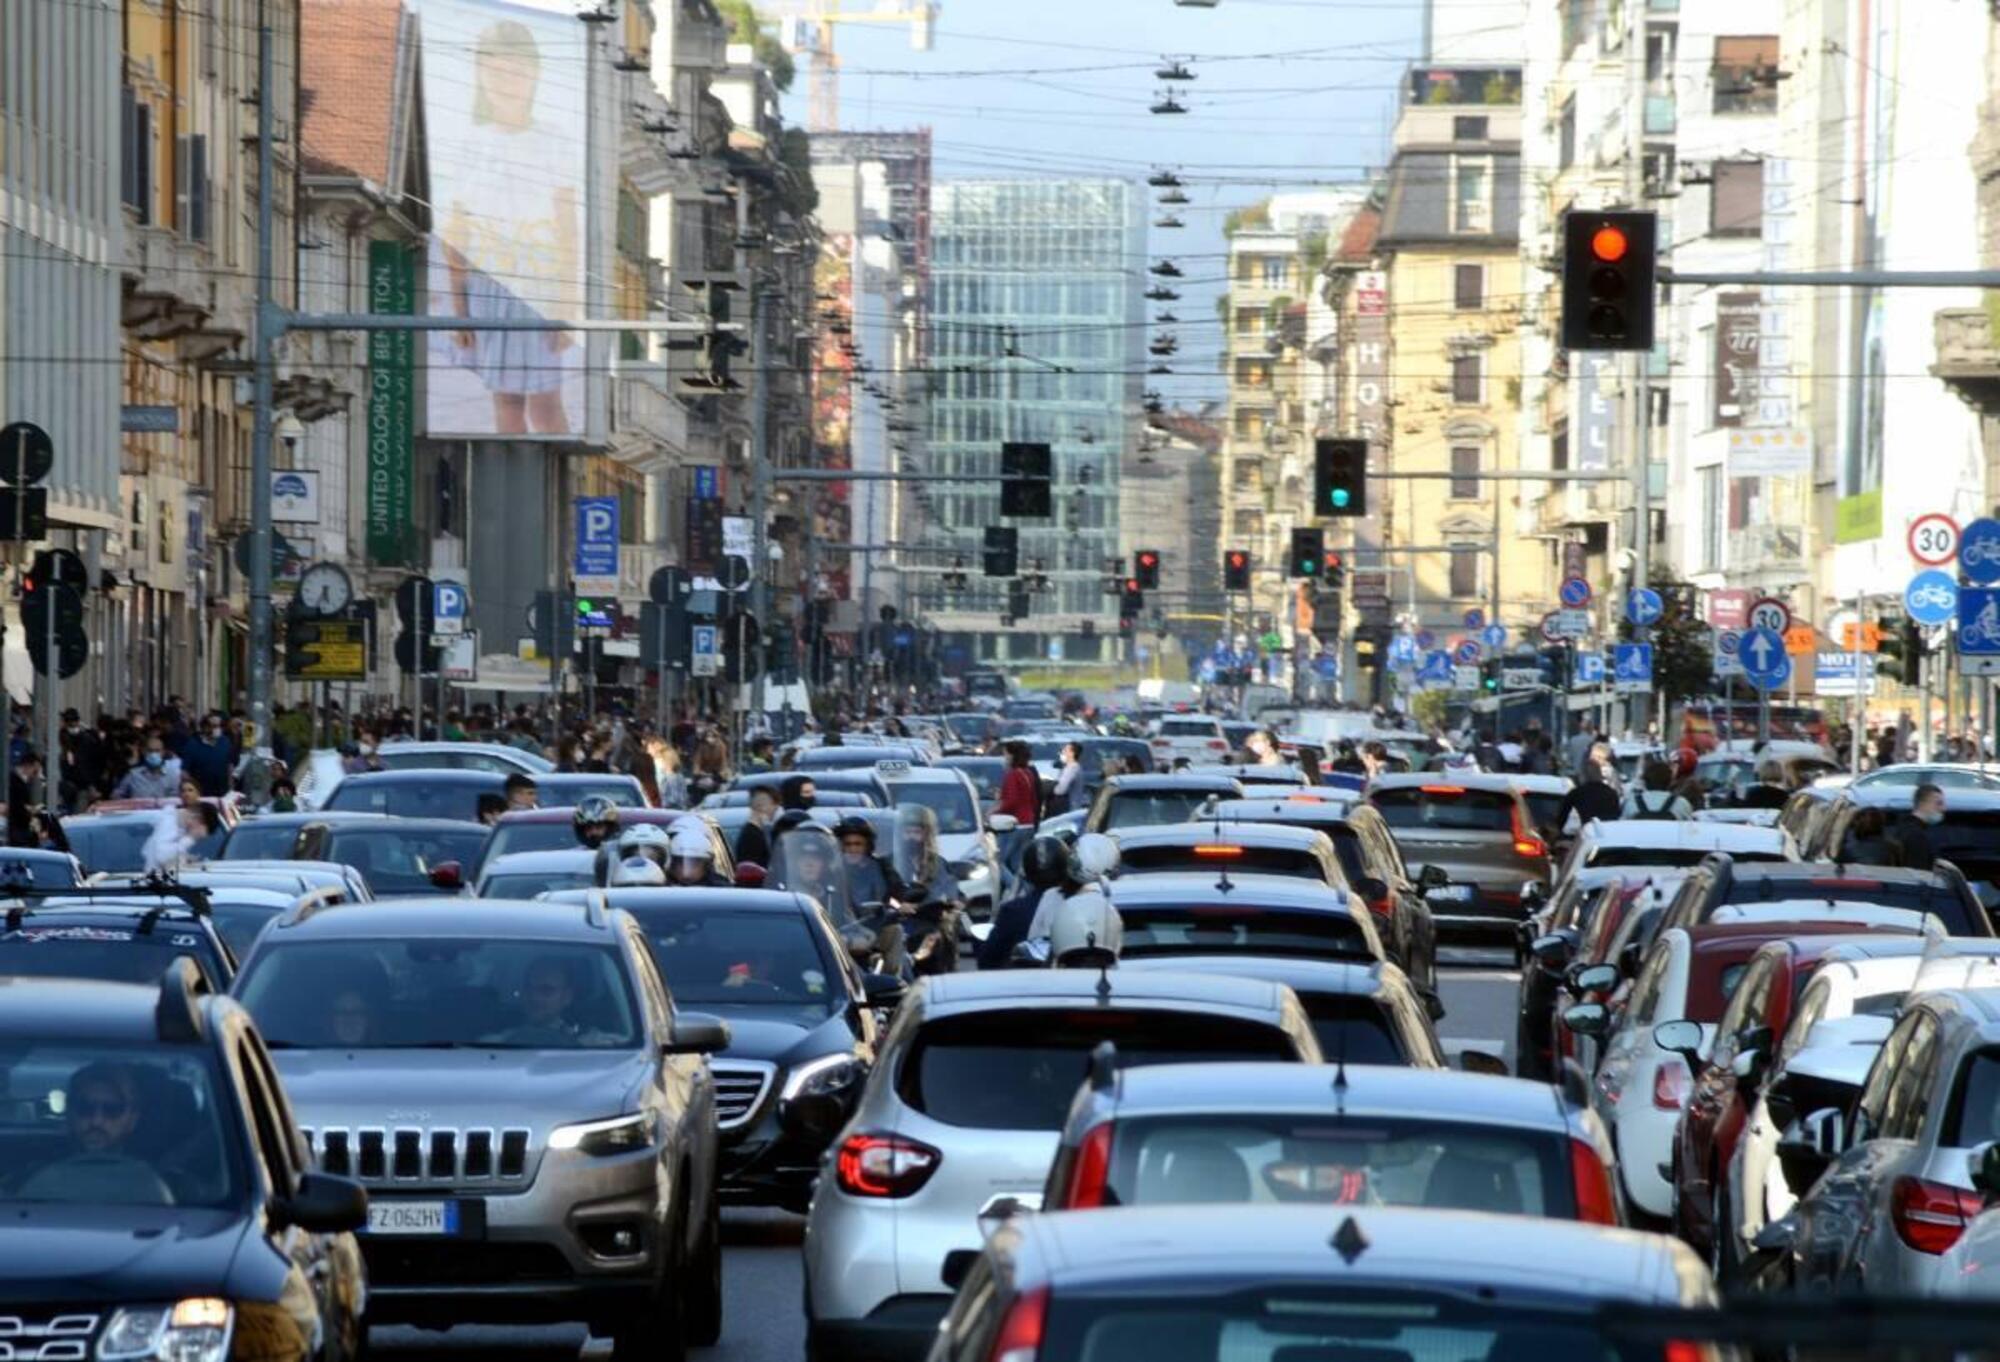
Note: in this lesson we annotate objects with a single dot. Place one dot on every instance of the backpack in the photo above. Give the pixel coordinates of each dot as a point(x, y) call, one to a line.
point(1649, 812)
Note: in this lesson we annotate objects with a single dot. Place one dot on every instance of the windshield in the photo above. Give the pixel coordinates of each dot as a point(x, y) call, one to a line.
point(717, 958)
point(1208, 929)
point(1019, 1069)
point(1944, 777)
point(457, 799)
point(113, 1126)
point(1366, 1161)
point(239, 923)
point(45, 948)
point(1352, 1029)
point(109, 844)
point(1150, 808)
point(1445, 808)
point(1605, 858)
point(567, 791)
point(257, 840)
point(527, 884)
point(394, 758)
point(985, 775)
point(399, 860)
point(969, 728)
point(951, 803)
point(1542, 808)
point(36, 872)
point(441, 993)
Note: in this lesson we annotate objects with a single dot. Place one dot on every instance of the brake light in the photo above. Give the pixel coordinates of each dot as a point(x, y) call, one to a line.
point(1672, 1085)
point(1217, 745)
point(1525, 842)
point(1591, 1180)
point(1930, 1216)
point(1093, 1171)
point(1384, 907)
point(1219, 853)
point(875, 1165)
point(1685, 1350)
point(1441, 789)
point(1020, 1336)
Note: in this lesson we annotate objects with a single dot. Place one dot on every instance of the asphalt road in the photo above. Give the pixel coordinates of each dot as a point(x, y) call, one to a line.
point(762, 1319)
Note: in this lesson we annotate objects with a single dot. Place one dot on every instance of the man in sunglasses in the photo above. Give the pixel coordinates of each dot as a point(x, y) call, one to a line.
point(102, 1109)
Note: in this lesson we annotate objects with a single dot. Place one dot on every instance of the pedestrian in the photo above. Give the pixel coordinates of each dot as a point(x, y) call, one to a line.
point(1263, 748)
point(1592, 799)
point(1068, 790)
point(285, 796)
point(520, 792)
point(1577, 750)
point(208, 757)
point(1913, 835)
point(1020, 787)
point(753, 840)
point(21, 798)
point(154, 776)
point(1654, 798)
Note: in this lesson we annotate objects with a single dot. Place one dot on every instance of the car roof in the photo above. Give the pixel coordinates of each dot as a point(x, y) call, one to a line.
point(79, 1009)
point(1855, 915)
point(1360, 978)
point(1958, 799)
point(567, 814)
point(1779, 875)
point(434, 775)
point(560, 858)
point(1721, 936)
point(301, 817)
point(692, 899)
point(394, 824)
point(1240, 832)
point(1009, 988)
point(1646, 833)
point(490, 919)
point(1510, 1259)
point(1543, 784)
point(1173, 780)
point(1469, 780)
point(505, 751)
point(1284, 809)
point(1182, 886)
point(1370, 1090)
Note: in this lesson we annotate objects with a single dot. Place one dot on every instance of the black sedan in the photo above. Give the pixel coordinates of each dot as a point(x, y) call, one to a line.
point(397, 856)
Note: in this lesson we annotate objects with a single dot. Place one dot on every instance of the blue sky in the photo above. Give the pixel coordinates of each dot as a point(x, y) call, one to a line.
point(1289, 94)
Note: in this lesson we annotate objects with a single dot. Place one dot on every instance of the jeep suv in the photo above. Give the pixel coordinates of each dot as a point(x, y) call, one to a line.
point(533, 1120)
point(156, 1199)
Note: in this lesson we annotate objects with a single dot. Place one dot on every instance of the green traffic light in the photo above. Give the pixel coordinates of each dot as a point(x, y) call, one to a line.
point(1341, 497)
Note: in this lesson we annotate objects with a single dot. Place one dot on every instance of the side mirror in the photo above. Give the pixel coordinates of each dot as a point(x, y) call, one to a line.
point(1481, 1062)
point(883, 990)
point(1985, 1165)
point(1805, 1152)
point(1002, 822)
point(1371, 889)
point(1596, 979)
point(1433, 1005)
point(1532, 894)
point(750, 875)
point(447, 875)
point(1432, 877)
point(324, 1204)
point(698, 1033)
point(1681, 1038)
point(1552, 951)
point(1628, 959)
point(1587, 1019)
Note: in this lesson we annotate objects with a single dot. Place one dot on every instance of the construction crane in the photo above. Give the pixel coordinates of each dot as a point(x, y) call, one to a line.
point(807, 28)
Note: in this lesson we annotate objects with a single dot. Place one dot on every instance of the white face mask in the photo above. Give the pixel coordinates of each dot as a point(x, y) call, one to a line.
point(367, 749)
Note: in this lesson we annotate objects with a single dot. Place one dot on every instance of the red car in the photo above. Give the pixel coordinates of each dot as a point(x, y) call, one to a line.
point(1759, 1009)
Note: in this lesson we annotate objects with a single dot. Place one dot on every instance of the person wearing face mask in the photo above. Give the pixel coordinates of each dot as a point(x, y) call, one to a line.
point(1914, 833)
point(155, 777)
point(208, 756)
point(82, 756)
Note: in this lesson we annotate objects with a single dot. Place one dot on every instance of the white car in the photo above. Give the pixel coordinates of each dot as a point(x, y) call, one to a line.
point(1664, 842)
point(1197, 737)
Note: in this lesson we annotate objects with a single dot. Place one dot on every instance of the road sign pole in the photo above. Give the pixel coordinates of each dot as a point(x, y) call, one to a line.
point(53, 704)
point(1860, 724)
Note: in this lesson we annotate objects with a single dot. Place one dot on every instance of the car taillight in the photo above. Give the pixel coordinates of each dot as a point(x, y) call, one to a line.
point(1930, 1216)
point(1219, 852)
point(1093, 1171)
point(1217, 745)
point(1671, 1085)
point(1525, 842)
point(1384, 907)
point(1020, 1336)
point(1686, 1350)
point(1591, 1180)
point(875, 1165)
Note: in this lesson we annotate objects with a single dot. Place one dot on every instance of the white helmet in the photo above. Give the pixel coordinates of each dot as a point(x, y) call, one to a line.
point(1087, 931)
point(647, 840)
point(635, 872)
point(1094, 857)
point(693, 845)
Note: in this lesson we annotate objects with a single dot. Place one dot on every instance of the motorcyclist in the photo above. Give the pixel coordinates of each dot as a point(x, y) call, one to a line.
point(925, 891)
point(1088, 933)
point(1044, 865)
point(866, 878)
point(637, 871)
point(693, 863)
point(595, 821)
point(1091, 862)
point(807, 861)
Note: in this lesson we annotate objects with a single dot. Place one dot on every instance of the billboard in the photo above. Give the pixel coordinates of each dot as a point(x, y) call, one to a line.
point(504, 115)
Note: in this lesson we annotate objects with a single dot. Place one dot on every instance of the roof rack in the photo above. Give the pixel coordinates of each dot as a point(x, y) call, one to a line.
point(594, 904)
point(194, 897)
point(176, 1017)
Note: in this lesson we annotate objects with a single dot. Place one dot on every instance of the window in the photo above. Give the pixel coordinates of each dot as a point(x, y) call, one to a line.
point(1465, 380)
point(191, 189)
point(1464, 571)
point(1465, 472)
point(1746, 75)
point(1736, 205)
point(136, 164)
point(1566, 134)
point(1468, 287)
point(1469, 128)
point(1471, 209)
point(1559, 448)
point(1711, 518)
point(1249, 321)
point(1277, 271)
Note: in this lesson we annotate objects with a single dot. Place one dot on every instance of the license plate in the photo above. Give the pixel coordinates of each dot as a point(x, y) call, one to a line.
point(413, 1217)
point(1455, 893)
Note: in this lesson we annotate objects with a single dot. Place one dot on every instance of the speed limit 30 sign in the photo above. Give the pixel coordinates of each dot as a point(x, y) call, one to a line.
point(1934, 539)
point(1771, 614)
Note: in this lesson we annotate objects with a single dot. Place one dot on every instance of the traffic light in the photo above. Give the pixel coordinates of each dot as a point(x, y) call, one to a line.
point(554, 623)
point(1146, 567)
point(1003, 551)
point(1333, 569)
point(1131, 600)
point(1340, 477)
point(1308, 553)
point(1025, 475)
point(1900, 654)
point(52, 595)
point(715, 346)
point(1608, 269)
point(1236, 570)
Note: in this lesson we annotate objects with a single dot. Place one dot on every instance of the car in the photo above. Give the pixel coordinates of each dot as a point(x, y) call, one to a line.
point(971, 730)
point(1478, 831)
point(1095, 751)
point(984, 772)
point(1268, 1135)
point(1731, 768)
point(965, 833)
point(567, 789)
point(1660, 843)
point(520, 830)
point(299, 876)
point(1372, 862)
point(1203, 914)
point(1362, 1011)
point(1140, 801)
point(34, 868)
point(1196, 738)
point(1209, 1283)
point(119, 934)
point(803, 1024)
point(737, 798)
point(1544, 796)
point(1640, 1086)
point(1806, 811)
point(1705, 724)
point(1273, 778)
point(419, 793)
point(530, 874)
point(1857, 830)
point(397, 855)
point(1717, 879)
point(963, 1109)
point(111, 842)
point(1891, 1187)
point(861, 756)
point(1946, 775)
point(159, 1198)
point(1248, 848)
point(1588, 930)
point(532, 1114)
point(862, 779)
point(499, 758)
point(272, 836)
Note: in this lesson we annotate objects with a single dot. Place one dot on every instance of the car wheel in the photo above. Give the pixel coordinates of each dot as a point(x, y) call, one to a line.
point(657, 1330)
point(704, 1280)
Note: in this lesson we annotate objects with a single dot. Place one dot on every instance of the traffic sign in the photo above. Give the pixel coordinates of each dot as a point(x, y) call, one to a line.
point(1801, 639)
point(1934, 539)
point(1465, 678)
point(668, 584)
point(1475, 618)
point(1574, 593)
point(1765, 662)
point(1931, 597)
point(1467, 652)
point(705, 649)
point(1494, 636)
point(1727, 642)
point(1548, 627)
point(1590, 669)
point(1425, 639)
point(1979, 551)
point(1632, 667)
point(1643, 606)
point(1860, 636)
point(1436, 670)
point(451, 604)
point(1978, 620)
point(1403, 651)
point(26, 454)
point(1770, 613)
point(1572, 623)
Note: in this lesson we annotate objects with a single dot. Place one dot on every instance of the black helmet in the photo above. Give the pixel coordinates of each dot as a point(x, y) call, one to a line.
point(855, 826)
point(1045, 862)
point(595, 815)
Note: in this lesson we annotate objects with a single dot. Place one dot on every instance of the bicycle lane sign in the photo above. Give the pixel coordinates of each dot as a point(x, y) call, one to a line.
point(1979, 621)
point(1979, 553)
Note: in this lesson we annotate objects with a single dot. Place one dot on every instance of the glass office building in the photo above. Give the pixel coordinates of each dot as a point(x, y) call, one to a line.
point(1057, 268)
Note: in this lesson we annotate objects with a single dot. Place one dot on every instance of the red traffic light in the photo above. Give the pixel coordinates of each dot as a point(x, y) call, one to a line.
point(1237, 560)
point(1149, 559)
point(1131, 583)
point(1609, 243)
point(1333, 560)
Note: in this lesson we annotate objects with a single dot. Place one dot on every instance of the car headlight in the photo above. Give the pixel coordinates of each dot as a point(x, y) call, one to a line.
point(192, 1330)
point(614, 1135)
point(815, 1078)
point(977, 870)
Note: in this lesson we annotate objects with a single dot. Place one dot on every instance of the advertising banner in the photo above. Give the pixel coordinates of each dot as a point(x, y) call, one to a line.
point(392, 291)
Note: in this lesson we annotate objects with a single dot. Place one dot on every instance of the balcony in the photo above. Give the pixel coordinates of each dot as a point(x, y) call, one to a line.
point(1766, 548)
point(1487, 86)
point(1968, 360)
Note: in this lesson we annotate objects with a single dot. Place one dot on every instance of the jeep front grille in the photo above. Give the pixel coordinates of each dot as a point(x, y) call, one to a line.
point(415, 1154)
point(740, 1085)
point(44, 1336)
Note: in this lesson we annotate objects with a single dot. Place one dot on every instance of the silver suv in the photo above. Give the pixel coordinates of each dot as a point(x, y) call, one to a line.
point(961, 1115)
point(534, 1122)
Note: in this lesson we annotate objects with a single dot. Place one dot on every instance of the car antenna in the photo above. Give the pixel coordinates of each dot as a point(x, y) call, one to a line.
point(1103, 971)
